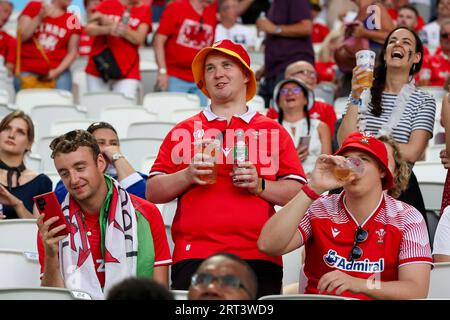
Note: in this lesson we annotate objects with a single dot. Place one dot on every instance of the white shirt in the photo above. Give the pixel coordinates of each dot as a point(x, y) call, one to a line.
point(441, 243)
point(430, 36)
point(237, 33)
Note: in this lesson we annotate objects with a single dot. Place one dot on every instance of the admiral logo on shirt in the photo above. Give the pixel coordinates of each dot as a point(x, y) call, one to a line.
point(333, 260)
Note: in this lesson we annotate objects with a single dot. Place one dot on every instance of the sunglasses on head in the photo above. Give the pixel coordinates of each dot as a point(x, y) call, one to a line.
point(361, 235)
point(225, 282)
point(286, 91)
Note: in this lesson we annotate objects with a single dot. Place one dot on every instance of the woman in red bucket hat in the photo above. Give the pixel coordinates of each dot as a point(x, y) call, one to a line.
point(361, 243)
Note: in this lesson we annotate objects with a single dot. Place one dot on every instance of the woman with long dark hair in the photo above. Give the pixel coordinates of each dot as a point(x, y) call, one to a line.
point(396, 107)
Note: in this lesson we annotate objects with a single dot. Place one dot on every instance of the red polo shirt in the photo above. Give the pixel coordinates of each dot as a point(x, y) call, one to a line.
point(221, 217)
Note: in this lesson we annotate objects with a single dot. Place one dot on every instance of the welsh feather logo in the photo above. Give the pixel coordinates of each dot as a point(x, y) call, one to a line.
point(333, 260)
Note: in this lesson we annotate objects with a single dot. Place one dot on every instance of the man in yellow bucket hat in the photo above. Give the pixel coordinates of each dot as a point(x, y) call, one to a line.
point(225, 197)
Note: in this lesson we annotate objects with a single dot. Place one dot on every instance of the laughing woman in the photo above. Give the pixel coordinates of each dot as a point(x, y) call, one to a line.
point(396, 106)
point(18, 185)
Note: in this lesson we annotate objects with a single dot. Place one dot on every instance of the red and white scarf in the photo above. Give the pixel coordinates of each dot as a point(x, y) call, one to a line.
point(121, 245)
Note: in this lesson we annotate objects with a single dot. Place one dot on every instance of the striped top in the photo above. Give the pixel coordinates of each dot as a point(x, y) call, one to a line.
point(397, 236)
point(419, 114)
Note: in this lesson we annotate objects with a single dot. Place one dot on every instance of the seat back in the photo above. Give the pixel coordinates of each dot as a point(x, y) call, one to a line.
point(440, 281)
point(121, 117)
point(164, 103)
point(27, 99)
point(18, 234)
point(150, 129)
point(61, 127)
point(95, 102)
point(43, 293)
point(45, 115)
point(136, 149)
point(19, 269)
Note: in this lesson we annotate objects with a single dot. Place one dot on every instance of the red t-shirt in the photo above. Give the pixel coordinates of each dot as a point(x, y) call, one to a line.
point(53, 34)
point(125, 53)
point(86, 42)
point(187, 33)
point(440, 68)
point(8, 47)
point(221, 217)
point(148, 210)
point(325, 71)
point(320, 110)
point(320, 31)
point(397, 236)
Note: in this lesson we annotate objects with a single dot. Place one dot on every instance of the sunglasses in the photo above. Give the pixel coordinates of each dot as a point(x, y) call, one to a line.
point(225, 282)
point(445, 35)
point(286, 91)
point(361, 235)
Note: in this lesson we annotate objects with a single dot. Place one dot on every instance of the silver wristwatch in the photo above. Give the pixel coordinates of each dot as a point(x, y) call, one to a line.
point(117, 156)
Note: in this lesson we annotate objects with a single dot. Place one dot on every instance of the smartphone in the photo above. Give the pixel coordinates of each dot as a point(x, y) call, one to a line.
point(304, 142)
point(48, 204)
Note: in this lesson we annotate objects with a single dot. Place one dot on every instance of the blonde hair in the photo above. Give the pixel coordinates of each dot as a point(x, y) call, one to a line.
point(402, 170)
point(324, 54)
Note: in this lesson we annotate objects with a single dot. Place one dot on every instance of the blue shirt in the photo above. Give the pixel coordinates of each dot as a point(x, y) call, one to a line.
point(134, 184)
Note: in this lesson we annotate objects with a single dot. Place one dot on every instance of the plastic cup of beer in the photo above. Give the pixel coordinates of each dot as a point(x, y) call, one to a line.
point(351, 167)
point(210, 150)
point(365, 59)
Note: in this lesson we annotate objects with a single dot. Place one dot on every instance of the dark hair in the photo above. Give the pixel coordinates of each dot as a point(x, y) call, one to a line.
point(253, 290)
point(19, 115)
point(100, 125)
point(409, 7)
point(380, 71)
point(305, 108)
point(139, 289)
point(72, 140)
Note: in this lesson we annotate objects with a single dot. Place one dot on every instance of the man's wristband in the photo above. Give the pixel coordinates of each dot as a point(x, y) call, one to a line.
point(261, 186)
point(310, 193)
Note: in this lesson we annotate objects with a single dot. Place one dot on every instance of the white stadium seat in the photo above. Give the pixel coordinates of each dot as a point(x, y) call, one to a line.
point(121, 117)
point(19, 269)
point(60, 127)
point(18, 234)
point(43, 293)
point(440, 281)
point(180, 294)
point(45, 115)
point(42, 149)
point(136, 149)
point(33, 162)
point(340, 105)
point(150, 129)
point(29, 98)
point(164, 103)
point(292, 262)
point(431, 178)
point(6, 109)
point(95, 102)
point(257, 104)
point(181, 115)
point(147, 163)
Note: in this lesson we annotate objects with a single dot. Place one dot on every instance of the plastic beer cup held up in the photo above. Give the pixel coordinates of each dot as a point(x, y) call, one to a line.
point(352, 167)
point(210, 150)
point(365, 59)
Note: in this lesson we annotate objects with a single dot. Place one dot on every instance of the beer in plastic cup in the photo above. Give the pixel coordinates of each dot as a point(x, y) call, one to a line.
point(365, 59)
point(211, 148)
point(352, 166)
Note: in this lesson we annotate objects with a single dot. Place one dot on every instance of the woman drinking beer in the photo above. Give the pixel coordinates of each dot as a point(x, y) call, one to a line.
point(395, 106)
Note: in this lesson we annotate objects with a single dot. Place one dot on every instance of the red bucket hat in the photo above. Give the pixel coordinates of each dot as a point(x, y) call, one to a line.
point(368, 143)
point(229, 48)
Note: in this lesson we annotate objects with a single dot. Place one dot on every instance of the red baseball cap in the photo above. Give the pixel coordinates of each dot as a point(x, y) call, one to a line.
point(376, 148)
point(229, 48)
